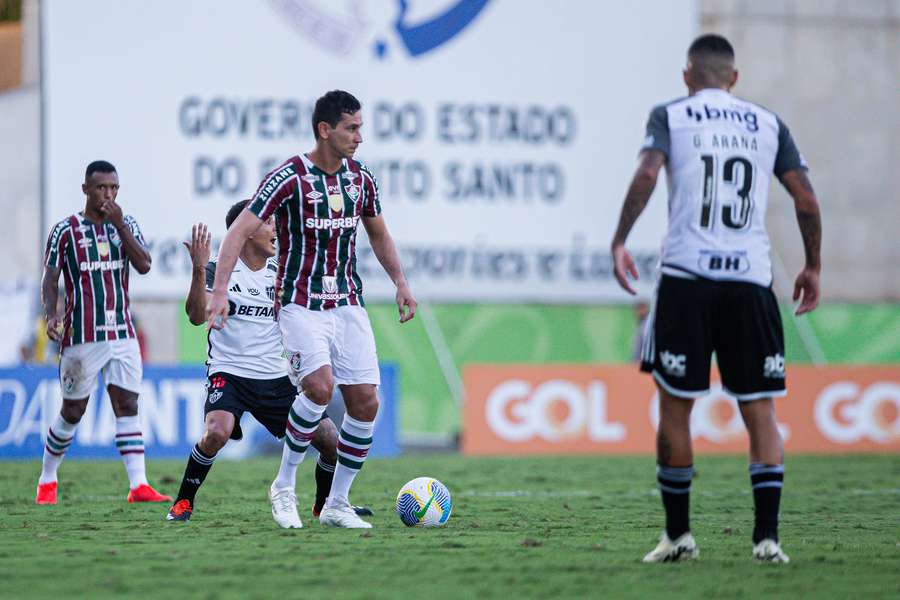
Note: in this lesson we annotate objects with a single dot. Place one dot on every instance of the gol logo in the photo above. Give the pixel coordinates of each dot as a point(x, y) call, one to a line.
point(554, 410)
point(715, 417)
point(845, 413)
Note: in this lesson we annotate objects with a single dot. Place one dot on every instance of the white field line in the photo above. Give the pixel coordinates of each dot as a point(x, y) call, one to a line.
point(653, 492)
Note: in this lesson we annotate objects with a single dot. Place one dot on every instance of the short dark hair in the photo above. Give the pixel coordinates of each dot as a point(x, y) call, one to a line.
point(234, 212)
point(712, 43)
point(711, 59)
point(98, 166)
point(331, 107)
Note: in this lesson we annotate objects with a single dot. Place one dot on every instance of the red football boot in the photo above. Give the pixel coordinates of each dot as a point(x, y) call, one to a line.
point(46, 493)
point(145, 493)
point(180, 511)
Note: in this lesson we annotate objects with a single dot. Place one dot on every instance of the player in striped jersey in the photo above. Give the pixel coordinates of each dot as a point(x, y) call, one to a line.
point(318, 200)
point(714, 294)
point(94, 250)
point(246, 369)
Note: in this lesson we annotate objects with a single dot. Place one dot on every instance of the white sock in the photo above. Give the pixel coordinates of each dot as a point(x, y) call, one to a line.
point(303, 420)
point(130, 443)
point(59, 438)
point(353, 445)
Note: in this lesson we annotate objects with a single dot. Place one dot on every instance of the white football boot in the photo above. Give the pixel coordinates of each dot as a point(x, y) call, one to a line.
point(342, 515)
point(284, 508)
point(768, 551)
point(684, 548)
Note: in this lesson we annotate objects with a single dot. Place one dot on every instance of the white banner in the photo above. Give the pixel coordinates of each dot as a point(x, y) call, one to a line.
point(503, 132)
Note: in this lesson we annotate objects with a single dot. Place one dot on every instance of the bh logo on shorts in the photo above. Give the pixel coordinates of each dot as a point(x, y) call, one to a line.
point(553, 410)
point(675, 364)
point(413, 26)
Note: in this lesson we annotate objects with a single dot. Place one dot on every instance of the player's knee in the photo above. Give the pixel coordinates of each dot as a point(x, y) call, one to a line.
point(325, 441)
point(365, 406)
point(73, 411)
point(319, 387)
point(215, 437)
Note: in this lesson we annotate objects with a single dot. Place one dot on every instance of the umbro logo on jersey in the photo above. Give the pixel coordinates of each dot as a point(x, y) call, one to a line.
point(235, 288)
point(748, 118)
point(314, 197)
point(85, 243)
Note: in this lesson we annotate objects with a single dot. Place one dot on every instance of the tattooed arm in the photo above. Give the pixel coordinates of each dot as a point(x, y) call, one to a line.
point(642, 184)
point(808, 218)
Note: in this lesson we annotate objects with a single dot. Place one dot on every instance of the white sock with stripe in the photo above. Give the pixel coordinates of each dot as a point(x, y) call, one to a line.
point(59, 438)
point(303, 420)
point(130, 444)
point(353, 446)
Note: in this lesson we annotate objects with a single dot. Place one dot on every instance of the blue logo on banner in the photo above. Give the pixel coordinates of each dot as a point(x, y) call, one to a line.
point(171, 409)
point(340, 30)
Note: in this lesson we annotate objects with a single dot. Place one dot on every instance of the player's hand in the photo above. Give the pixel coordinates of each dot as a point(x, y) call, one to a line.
point(217, 311)
point(406, 304)
point(806, 289)
point(55, 329)
point(199, 246)
point(623, 265)
point(112, 212)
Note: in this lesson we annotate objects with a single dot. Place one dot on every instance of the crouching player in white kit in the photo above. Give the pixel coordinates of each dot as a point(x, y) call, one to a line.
point(246, 369)
point(318, 200)
point(714, 293)
point(95, 249)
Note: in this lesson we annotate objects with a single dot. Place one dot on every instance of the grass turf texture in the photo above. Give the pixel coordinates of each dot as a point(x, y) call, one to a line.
point(521, 528)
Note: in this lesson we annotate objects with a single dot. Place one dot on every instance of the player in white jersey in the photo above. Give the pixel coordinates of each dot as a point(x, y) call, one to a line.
point(714, 292)
point(246, 369)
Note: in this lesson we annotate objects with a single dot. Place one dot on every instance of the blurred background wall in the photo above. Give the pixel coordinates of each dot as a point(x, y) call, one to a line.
point(829, 68)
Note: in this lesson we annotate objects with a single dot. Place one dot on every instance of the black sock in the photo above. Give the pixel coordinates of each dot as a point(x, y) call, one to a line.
point(675, 489)
point(324, 476)
point(198, 466)
point(767, 481)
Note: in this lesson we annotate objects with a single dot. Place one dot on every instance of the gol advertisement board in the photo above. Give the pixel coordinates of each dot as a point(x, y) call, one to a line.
point(503, 148)
point(585, 409)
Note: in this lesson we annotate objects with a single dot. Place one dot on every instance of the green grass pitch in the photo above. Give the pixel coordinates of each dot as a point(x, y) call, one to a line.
point(555, 527)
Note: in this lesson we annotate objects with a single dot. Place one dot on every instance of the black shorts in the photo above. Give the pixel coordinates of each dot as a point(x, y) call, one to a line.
point(268, 400)
point(739, 321)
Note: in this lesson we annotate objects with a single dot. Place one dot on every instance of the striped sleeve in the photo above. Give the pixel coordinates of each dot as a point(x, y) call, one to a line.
point(54, 253)
point(277, 187)
point(371, 202)
point(135, 229)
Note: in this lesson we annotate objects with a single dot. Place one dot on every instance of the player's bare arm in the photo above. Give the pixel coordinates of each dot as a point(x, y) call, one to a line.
point(197, 298)
point(242, 228)
point(49, 298)
point(806, 286)
point(136, 252)
point(642, 184)
point(386, 253)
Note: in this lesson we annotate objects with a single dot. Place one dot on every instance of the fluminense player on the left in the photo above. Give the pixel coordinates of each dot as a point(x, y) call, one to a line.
point(94, 250)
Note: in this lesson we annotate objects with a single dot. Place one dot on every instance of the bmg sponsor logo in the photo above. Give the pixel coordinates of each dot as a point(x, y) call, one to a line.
point(747, 118)
point(554, 410)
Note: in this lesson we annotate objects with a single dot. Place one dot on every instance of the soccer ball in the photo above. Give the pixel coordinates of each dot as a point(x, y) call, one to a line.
point(424, 502)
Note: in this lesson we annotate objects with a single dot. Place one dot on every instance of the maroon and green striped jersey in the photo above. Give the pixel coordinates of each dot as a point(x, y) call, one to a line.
point(95, 269)
point(316, 216)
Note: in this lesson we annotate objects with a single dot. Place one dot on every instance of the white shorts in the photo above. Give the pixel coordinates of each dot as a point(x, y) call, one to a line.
point(341, 337)
point(118, 360)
